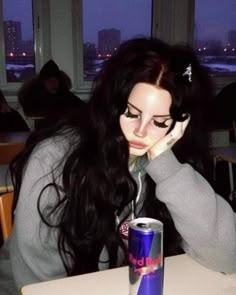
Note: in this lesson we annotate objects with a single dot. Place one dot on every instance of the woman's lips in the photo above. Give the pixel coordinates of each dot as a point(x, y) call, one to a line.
point(137, 145)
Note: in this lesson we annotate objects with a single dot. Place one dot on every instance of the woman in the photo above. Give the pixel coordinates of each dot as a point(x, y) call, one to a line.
point(136, 152)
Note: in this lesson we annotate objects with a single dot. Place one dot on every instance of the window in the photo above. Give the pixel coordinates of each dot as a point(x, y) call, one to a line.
point(23, 33)
point(97, 27)
point(18, 39)
point(215, 36)
point(102, 26)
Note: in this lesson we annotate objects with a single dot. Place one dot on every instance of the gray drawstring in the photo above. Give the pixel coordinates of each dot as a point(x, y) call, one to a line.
point(138, 195)
point(133, 202)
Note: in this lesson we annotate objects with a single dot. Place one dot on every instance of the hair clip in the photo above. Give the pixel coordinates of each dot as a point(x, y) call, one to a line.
point(188, 72)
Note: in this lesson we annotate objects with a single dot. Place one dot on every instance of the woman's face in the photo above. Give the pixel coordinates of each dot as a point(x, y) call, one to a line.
point(147, 117)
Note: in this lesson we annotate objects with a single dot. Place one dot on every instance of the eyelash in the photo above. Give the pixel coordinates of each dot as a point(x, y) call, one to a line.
point(161, 124)
point(128, 114)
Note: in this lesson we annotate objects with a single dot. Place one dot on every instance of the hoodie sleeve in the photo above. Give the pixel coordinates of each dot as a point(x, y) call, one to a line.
point(204, 219)
point(34, 253)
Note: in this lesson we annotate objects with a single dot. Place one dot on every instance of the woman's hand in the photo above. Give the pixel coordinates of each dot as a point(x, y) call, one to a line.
point(168, 140)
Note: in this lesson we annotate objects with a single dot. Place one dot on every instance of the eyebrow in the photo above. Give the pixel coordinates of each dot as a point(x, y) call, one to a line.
point(155, 116)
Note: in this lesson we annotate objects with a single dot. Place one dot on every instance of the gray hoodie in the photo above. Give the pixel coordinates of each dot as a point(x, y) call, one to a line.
point(205, 220)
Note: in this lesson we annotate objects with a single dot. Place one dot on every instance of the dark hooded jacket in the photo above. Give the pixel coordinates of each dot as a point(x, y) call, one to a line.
point(36, 101)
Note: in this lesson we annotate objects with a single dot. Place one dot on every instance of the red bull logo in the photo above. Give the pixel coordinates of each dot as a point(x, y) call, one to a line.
point(144, 261)
point(145, 264)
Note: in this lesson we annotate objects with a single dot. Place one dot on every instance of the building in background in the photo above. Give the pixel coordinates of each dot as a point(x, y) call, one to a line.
point(108, 41)
point(27, 47)
point(232, 38)
point(19, 54)
point(89, 50)
point(13, 37)
point(90, 55)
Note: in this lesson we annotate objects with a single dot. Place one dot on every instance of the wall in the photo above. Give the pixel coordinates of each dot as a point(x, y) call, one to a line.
point(61, 35)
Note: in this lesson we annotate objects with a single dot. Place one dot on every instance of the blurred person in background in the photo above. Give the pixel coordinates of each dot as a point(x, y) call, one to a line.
point(47, 96)
point(223, 108)
point(10, 119)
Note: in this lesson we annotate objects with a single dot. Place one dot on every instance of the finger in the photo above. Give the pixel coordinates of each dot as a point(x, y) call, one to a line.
point(176, 130)
point(179, 129)
point(185, 124)
point(187, 121)
point(171, 139)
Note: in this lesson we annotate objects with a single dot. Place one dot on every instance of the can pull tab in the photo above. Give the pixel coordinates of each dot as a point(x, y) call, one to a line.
point(142, 225)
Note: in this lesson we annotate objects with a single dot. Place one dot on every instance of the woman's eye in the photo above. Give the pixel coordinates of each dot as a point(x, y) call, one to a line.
point(128, 114)
point(161, 124)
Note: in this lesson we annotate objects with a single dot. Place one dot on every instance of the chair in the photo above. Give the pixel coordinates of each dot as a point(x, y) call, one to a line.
point(234, 130)
point(219, 138)
point(222, 149)
point(9, 150)
point(5, 214)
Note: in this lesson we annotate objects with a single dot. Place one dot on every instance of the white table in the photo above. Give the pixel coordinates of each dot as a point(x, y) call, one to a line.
point(183, 276)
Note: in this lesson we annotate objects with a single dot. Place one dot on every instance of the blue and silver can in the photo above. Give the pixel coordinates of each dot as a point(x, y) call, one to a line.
point(145, 249)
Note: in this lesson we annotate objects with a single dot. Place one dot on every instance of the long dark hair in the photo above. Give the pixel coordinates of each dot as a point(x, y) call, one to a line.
point(96, 180)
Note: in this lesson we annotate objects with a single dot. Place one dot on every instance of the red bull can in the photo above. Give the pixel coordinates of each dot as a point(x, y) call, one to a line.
point(145, 250)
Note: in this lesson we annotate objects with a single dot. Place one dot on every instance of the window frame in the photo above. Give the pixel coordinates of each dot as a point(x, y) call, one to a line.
point(176, 25)
point(82, 86)
point(171, 22)
point(42, 46)
point(219, 81)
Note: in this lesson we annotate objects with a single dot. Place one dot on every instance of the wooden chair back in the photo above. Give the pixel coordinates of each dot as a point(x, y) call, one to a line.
point(9, 150)
point(220, 138)
point(234, 130)
point(5, 214)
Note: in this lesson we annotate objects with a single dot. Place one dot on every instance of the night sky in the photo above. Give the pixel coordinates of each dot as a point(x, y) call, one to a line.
point(131, 17)
point(20, 10)
point(214, 18)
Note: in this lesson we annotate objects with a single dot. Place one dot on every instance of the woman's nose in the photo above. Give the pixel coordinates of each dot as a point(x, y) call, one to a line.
point(141, 130)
